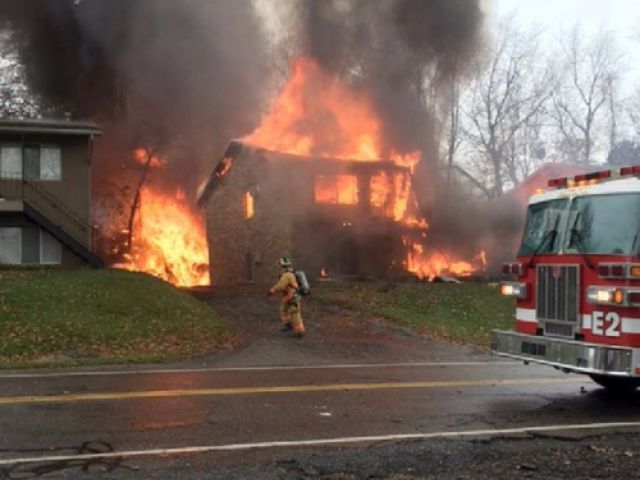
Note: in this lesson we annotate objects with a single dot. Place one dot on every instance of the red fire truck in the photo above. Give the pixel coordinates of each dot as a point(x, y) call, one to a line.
point(576, 280)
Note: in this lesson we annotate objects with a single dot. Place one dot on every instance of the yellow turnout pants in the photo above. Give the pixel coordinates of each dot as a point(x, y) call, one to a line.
point(290, 313)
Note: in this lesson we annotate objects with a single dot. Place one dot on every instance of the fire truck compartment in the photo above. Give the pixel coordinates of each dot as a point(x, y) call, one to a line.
point(565, 354)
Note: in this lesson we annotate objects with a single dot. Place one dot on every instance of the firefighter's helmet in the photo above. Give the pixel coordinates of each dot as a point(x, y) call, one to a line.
point(285, 262)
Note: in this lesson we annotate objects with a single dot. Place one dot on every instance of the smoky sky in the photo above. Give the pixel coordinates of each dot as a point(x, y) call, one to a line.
point(183, 66)
point(161, 71)
point(194, 74)
point(197, 71)
point(394, 45)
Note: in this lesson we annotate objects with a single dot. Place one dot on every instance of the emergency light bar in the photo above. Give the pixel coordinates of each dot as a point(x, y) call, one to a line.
point(594, 178)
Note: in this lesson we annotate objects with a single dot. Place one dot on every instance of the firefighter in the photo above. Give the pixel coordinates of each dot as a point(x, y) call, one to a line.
point(290, 307)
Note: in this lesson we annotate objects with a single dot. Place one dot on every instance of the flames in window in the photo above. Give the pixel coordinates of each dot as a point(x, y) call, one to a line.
point(249, 207)
point(390, 195)
point(336, 189)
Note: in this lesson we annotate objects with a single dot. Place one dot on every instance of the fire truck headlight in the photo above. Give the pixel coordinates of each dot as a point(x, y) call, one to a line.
point(515, 290)
point(606, 295)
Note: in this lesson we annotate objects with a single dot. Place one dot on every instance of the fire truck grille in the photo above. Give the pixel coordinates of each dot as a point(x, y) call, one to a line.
point(557, 298)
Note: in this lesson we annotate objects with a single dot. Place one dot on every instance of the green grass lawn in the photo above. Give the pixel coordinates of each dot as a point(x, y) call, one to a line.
point(100, 316)
point(464, 313)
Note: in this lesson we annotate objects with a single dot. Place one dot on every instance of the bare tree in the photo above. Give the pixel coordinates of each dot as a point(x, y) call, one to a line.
point(454, 138)
point(16, 100)
point(590, 73)
point(505, 105)
point(632, 113)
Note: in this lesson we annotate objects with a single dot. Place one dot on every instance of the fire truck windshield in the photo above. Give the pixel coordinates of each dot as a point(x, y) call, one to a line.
point(541, 230)
point(597, 224)
point(605, 224)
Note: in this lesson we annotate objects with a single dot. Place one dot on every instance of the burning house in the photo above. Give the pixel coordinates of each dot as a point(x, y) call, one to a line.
point(335, 217)
point(336, 156)
point(316, 181)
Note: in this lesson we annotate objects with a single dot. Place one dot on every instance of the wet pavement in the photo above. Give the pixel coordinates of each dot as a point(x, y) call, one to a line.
point(383, 384)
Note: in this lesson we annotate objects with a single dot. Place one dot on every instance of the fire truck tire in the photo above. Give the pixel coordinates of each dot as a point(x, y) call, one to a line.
point(616, 384)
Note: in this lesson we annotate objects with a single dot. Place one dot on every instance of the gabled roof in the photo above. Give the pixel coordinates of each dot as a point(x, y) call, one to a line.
point(49, 126)
point(233, 150)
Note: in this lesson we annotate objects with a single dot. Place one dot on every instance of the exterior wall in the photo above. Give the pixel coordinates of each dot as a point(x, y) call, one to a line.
point(272, 228)
point(342, 240)
point(69, 258)
point(288, 222)
point(242, 249)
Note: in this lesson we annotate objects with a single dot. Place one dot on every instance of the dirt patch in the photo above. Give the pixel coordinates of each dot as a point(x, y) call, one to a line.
point(335, 334)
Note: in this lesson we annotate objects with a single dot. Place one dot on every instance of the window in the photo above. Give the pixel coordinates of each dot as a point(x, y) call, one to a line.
point(543, 227)
point(336, 189)
point(33, 162)
point(50, 249)
point(249, 207)
point(50, 163)
point(11, 161)
point(28, 246)
point(604, 224)
point(10, 247)
point(389, 194)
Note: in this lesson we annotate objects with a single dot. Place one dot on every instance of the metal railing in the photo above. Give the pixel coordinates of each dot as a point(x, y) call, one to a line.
point(15, 187)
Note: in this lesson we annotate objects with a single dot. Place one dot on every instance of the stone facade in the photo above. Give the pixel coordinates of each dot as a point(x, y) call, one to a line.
point(246, 249)
point(287, 221)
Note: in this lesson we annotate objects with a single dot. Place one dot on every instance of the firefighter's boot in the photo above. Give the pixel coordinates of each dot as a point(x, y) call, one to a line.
point(296, 319)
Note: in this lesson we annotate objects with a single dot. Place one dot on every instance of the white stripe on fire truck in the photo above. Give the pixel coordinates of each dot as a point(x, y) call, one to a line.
point(526, 315)
point(628, 324)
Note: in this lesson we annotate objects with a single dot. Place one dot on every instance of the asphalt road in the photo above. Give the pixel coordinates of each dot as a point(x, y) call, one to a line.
point(382, 404)
point(45, 416)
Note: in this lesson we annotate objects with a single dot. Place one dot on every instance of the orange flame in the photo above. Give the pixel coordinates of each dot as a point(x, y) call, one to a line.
point(169, 240)
point(317, 115)
point(249, 208)
point(336, 189)
point(428, 266)
point(142, 156)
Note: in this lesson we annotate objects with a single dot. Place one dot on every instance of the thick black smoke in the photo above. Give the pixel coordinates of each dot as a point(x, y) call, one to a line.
point(185, 72)
point(401, 51)
point(196, 68)
point(188, 75)
point(406, 53)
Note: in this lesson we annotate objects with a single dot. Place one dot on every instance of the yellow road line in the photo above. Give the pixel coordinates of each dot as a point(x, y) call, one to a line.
point(213, 392)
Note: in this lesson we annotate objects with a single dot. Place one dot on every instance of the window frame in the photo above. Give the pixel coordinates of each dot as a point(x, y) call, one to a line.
point(19, 229)
point(41, 147)
point(51, 146)
point(332, 180)
point(43, 232)
point(20, 148)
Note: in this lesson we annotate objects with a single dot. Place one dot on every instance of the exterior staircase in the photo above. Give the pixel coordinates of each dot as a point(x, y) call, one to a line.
point(51, 214)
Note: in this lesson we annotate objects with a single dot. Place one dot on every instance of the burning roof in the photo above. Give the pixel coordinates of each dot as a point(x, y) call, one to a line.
point(238, 149)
